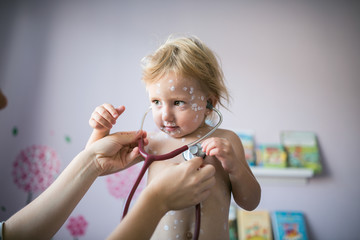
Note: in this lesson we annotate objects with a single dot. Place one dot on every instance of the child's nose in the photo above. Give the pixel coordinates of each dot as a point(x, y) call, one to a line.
point(167, 114)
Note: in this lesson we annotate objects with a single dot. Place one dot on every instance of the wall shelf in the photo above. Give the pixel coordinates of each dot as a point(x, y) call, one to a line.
point(282, 175)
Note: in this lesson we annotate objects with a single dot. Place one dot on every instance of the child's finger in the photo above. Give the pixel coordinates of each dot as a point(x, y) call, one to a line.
point(120, 110)
point(111, 110)
point(99, 120)
point(105, 113)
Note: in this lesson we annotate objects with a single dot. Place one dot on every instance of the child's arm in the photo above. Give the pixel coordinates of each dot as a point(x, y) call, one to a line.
point(230, 152)
point(102, 120)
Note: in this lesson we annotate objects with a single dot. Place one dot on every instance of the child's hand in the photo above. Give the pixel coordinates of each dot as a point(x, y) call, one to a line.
point(223, 150)
point(102, 120)
point(104, 117)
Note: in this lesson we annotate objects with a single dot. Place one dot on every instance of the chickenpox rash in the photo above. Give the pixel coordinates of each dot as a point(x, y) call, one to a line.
point(191, 90)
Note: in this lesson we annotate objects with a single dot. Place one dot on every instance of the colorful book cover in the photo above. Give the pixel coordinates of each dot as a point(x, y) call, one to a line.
point(289, 225)
point(271, 155)
point(248, 142)
point(254, 225)
point(233, 232)
point(302, 149)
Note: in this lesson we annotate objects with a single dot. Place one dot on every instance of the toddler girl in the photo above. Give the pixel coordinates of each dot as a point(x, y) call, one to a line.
point(181, 78)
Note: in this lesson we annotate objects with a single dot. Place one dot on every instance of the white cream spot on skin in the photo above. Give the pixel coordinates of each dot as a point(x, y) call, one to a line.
point(166, 228)
point(191, 90)
point(172, 88)
point(185, 88)
point(194, 107)
point(172, 213)
point(192, 97)
point(183, 140)
point(158, 84)
point(170, 80)
point(177, 236)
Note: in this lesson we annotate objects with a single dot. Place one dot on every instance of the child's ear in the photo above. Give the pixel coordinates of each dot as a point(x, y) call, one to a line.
point(211, 102)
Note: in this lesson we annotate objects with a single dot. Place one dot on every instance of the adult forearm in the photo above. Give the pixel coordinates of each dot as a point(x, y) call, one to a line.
point(44, 216)
point(142, 219)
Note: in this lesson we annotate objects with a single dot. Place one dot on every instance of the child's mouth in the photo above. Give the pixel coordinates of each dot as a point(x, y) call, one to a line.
point(170, 128)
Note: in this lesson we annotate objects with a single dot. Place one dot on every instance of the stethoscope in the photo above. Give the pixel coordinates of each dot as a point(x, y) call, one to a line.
point(189, 151)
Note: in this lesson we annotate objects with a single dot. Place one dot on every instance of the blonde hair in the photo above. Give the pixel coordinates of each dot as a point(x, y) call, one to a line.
point(187, 57)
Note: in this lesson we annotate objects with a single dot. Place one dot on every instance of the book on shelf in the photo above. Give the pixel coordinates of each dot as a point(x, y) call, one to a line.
point(302, 149)
point(233, 232)
point(254, 225)
point(289, 225)
point(271, 155)
point(248, 141)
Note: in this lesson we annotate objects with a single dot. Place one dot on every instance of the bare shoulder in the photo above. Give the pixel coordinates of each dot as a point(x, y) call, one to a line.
point(230, 135)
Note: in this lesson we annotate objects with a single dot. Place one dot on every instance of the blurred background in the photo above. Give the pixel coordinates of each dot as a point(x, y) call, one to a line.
point(290, 65)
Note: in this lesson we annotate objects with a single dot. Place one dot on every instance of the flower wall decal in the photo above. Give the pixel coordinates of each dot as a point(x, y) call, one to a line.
point(77, 226)
point(35, 168)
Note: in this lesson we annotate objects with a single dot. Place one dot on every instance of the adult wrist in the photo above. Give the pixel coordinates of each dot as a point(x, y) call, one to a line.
point(156, 199)
point(87, 159)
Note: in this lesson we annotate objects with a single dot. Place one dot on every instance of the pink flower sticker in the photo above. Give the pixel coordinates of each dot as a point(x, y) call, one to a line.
point(35, 168)
point(120, 184)
point(77, 226)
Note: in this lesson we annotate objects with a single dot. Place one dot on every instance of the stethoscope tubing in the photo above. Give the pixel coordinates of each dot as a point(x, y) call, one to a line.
point(150, 158)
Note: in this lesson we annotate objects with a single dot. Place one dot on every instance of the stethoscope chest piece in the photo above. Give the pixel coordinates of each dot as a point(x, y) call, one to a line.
point(193, 151)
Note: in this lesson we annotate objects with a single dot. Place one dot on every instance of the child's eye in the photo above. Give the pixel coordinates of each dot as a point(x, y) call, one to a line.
point(156, 102)
point(179, 103)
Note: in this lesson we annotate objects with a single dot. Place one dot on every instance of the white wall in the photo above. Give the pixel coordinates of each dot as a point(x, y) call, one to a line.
point(290, 65)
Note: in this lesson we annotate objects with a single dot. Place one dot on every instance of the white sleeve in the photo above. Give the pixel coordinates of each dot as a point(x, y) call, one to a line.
point(1, 231)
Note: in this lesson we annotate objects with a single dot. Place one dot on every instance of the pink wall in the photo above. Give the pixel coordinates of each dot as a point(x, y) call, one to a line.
point(290, 66)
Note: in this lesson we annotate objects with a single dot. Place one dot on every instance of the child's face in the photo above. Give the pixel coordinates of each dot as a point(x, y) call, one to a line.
point(178, 105)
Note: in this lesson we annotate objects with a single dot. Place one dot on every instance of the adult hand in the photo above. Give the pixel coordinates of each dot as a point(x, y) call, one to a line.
point(190, 184)
point(116, 151)
point(178, 186)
